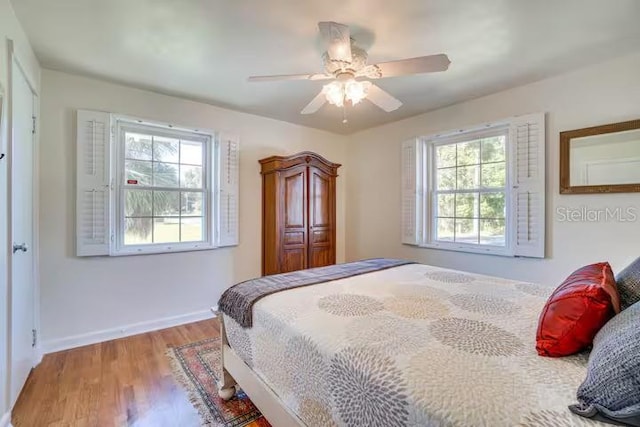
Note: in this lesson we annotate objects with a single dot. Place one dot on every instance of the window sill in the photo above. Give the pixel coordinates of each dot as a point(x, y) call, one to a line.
point(505, 252)
point(161, 249)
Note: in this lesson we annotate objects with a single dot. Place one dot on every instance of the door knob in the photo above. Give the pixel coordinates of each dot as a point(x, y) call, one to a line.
point(23, 247)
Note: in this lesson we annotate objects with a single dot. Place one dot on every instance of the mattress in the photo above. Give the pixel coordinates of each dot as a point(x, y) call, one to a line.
point(413, 345)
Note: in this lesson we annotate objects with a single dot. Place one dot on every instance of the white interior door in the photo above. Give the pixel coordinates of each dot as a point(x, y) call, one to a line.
point(22, 268)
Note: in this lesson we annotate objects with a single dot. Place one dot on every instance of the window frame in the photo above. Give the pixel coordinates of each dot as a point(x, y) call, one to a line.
point(209, 188)
point(429, 193)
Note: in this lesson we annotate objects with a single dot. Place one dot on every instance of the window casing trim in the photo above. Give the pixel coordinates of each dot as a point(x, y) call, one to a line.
point(459, 135)
point(427, 193)
point(209, 188)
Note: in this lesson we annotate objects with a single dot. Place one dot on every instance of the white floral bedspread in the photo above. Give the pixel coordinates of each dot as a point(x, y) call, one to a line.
point(411, 346)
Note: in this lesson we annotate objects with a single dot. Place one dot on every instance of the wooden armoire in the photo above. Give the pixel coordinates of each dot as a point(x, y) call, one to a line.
point(298, 212)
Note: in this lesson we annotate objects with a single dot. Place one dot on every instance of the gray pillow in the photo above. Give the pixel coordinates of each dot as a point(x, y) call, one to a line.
point(629, 284)
point(611, 391)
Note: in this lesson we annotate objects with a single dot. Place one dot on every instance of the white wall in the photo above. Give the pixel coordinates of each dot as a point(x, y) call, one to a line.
point(11, 29)
point(88, 295)
point(600, 94)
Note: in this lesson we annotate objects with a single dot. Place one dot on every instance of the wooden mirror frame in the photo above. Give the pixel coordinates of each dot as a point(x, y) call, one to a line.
point(565, 160)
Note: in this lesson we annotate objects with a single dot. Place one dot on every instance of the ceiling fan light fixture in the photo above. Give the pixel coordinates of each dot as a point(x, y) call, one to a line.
point(351, 90)
point(356, 91)
point(334, 92)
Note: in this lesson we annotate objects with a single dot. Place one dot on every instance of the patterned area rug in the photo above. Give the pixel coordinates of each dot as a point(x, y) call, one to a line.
point(197, 368)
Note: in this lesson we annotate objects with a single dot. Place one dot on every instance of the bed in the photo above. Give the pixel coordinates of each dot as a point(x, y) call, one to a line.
point(411, 345)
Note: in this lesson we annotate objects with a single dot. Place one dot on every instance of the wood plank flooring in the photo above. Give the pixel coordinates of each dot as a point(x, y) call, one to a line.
point(125, 382)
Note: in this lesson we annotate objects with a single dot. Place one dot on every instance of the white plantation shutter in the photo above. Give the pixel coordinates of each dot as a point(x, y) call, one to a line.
point(229, 168)
point(412, 175)
point(527, 136)
point(93, 183)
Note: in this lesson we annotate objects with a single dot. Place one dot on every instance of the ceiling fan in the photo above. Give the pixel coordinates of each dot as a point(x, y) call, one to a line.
point(345, 63)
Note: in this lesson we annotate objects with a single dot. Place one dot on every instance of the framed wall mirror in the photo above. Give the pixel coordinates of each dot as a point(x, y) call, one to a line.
point(601, 159)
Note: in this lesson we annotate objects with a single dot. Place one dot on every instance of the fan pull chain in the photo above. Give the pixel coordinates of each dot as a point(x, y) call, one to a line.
point(344, 114)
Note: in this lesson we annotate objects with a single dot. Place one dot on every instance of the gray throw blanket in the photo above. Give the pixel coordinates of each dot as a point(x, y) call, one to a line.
point(237, 301)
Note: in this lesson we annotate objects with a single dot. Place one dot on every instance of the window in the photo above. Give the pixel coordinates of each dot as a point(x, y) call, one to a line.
point(469, 196)
point(477, 190)
point(164, 187)
point(155, 188)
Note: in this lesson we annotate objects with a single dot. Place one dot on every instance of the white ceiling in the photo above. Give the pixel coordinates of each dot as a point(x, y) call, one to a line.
point(205, 49)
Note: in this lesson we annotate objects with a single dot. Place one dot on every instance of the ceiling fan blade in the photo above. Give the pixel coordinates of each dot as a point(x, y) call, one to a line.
point(421, 64)
point(290, 77)
point(337, 40)
point(315, 104)
point(382, 99)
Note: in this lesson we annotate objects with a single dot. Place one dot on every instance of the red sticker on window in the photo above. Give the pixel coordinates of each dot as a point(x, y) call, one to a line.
point(132, 181)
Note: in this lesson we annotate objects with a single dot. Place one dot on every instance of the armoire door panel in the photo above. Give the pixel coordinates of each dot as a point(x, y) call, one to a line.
point(293, 259)
point(321, 256)
point(294, 233)
point(294, 238)
point(321, 218)
point(295, 199)
point(320, 198)
point(320, 236)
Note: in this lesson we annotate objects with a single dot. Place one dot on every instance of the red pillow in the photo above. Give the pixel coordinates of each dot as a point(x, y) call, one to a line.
point(577, 310)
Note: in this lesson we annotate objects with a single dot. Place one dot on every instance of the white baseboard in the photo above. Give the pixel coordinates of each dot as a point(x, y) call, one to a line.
point(5, 421)
point(80, 340)
point(37, 356)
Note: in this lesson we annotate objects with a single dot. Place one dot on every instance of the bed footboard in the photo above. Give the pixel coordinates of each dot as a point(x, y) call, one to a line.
point(227, 384)
point(260, 394)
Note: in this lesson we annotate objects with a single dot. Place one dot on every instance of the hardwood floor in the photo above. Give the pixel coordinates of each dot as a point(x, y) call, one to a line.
point(125, 382)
